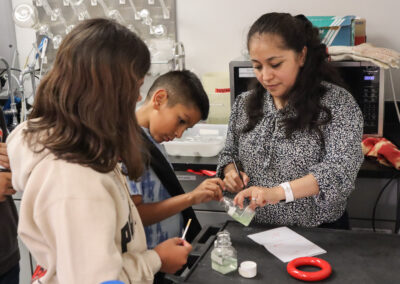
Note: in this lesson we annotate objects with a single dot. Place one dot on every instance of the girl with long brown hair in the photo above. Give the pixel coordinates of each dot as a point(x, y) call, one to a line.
point(76, 215)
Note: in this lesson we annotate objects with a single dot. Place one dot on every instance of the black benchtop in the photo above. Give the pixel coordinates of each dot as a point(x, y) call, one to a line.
point(355, 257)
point(369, 168)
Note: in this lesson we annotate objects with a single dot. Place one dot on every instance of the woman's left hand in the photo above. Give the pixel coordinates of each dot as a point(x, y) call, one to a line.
point(259, 196)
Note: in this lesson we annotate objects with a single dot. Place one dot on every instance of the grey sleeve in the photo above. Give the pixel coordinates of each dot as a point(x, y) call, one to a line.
point(337, 172)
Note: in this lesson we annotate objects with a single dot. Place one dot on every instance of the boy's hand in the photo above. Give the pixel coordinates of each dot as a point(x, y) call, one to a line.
point(5, 185)
point(3, 156)
point(173, 254)
point(208, 190)
point(233, 181)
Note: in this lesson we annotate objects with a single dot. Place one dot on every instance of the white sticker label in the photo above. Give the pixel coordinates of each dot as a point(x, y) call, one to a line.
point(184, 177)
point(246, 73)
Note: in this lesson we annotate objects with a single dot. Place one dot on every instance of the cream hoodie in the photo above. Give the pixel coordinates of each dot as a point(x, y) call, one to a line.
point(79, 224)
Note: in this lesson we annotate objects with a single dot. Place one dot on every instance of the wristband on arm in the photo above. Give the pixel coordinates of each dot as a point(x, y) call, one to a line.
point(288, 191)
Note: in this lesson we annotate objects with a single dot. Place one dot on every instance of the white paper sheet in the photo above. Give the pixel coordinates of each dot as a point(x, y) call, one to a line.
point(286, 244)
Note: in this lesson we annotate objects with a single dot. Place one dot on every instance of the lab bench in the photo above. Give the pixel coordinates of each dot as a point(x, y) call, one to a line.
point(370, 181)
point(355, 257)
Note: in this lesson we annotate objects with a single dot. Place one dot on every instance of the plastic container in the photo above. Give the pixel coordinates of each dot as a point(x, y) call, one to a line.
point(202, 140)
point(248, 269)
point(223, 256)
point(243, 216)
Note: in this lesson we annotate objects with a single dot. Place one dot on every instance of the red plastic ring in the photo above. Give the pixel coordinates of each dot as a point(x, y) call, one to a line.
point(325, 271)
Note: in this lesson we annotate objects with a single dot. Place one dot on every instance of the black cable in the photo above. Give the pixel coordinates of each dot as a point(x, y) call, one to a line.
point(16, 69)
point(379, 197)
point(12, 69)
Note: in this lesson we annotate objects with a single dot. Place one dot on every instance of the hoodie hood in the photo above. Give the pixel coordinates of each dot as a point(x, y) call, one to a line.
point(22, 158)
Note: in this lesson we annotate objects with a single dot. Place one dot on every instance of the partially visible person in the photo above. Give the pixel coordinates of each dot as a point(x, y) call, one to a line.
point(175, 101)
point(297, 134)
point(76, 216)
point(9, 252)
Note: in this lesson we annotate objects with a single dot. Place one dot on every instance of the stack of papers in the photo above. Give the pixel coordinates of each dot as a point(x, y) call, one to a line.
point(286, 244)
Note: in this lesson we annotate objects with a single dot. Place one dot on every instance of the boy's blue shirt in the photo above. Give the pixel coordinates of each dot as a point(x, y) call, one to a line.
point(152, 190)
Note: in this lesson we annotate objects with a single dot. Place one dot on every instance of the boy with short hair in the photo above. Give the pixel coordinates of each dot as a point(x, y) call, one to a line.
point(175, 102)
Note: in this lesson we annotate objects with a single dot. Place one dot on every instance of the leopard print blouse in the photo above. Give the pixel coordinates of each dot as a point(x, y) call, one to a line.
point(269, 158)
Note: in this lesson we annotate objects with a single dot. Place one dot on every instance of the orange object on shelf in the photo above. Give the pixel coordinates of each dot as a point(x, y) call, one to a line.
point(383, 150)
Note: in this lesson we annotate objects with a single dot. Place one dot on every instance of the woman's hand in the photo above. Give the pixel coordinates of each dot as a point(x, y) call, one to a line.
point(232, 180)
point(208, 190)
point(260, 196)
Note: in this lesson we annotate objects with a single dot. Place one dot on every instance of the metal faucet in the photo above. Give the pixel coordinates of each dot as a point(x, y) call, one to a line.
point(179, 56)
point(28, 70)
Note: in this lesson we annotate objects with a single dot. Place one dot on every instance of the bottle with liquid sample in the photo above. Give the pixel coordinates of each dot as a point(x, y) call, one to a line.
point(243, 216)
point(223, 256)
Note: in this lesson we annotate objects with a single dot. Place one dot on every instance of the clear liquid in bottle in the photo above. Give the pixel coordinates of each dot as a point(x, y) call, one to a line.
point(223, 256)
point(243, 216)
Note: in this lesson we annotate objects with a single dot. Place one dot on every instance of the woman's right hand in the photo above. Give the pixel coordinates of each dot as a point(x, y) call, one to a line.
point(173, 254)
point(232, 180)
point(259, 196)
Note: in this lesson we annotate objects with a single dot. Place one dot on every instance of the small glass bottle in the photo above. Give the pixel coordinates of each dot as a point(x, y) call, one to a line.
point(243, 216)
point(223, 256)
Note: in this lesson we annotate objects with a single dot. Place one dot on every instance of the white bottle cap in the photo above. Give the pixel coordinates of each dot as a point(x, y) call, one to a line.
point(248, 269)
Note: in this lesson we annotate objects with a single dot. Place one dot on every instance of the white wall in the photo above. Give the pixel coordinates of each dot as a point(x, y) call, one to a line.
point(214, 31)
point(7, 32)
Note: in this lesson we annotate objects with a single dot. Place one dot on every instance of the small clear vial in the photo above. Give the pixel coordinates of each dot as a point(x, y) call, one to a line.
point(223, 256)
point(243, 216)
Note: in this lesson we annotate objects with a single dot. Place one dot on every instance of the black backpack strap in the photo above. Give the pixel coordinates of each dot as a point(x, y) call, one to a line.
point(165, 173)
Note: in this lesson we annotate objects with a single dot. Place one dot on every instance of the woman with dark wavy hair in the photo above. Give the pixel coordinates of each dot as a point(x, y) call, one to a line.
point(297, 134)
point(76, 216)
